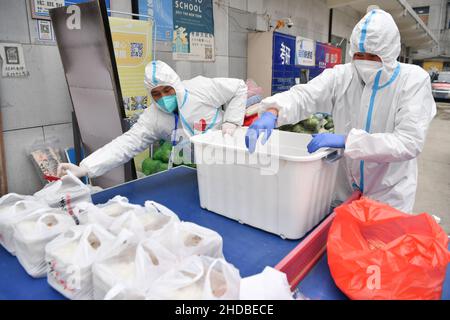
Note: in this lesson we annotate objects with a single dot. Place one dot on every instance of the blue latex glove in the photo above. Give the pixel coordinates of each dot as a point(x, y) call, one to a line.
point(326, 140)
point(266, 123)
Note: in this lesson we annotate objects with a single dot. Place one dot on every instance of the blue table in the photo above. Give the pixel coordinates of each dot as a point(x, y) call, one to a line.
point(247, 248)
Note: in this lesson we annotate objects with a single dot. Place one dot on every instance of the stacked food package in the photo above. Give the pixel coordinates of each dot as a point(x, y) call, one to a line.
point(114, 250)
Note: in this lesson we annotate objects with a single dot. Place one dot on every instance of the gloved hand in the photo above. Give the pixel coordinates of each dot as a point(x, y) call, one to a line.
point(326, 140)
point(266, 123)
point(228, 128)
point(76, 170)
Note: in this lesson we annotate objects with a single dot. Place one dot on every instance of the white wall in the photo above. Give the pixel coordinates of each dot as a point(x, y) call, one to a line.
point(35, 107)
point(39, 107)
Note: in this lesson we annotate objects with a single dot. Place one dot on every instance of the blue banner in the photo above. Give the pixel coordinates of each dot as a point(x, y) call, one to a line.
point(284, 70)
point(160, 12)
point(193, 24)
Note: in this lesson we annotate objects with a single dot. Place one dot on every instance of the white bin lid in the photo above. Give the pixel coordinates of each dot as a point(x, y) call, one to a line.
point(285, 145)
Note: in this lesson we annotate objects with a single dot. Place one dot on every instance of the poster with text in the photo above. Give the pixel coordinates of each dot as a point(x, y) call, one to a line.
point(45, 30)
point(327, 56)
point(193, 30)
point(132, 42)
point(13, 60)
point(160, 11)
point(40, 8)
point(305, 52)
point(284, 70)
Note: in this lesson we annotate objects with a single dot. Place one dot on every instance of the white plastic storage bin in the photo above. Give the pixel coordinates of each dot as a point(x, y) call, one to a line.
point(280, 188)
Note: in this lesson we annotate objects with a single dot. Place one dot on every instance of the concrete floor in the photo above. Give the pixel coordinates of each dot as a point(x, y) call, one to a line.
point(433, 192)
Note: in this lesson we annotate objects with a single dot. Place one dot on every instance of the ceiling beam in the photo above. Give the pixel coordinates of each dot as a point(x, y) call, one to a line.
point(424, 45)
point(418, 37)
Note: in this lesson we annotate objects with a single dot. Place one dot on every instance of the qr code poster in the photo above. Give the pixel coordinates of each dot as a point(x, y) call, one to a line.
point(137, 49)
point(198, 47)
point(12, 55)
point(12, 60)
point(45, 30)
point(130, 50)
point(132, 42)
point(193, 31)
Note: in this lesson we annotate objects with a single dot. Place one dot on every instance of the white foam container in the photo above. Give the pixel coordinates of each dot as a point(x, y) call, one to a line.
point(280, 188)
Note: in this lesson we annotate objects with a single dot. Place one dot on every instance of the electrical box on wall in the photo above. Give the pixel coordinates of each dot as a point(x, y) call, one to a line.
point(258, 22)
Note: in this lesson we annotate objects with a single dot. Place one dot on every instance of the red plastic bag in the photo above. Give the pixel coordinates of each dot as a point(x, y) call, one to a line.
point(378, 252)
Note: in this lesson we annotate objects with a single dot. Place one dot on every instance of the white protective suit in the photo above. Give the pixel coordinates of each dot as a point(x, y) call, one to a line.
point(200, 100)
point(385, 120)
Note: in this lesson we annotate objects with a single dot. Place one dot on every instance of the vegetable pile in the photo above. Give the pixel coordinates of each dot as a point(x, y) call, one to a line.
point(160, 159)
point(317, 123)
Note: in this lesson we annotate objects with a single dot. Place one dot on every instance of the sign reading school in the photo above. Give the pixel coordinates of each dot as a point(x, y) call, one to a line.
point(193, 34)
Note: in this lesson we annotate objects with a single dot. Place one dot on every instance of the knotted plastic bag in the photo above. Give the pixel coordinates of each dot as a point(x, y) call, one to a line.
point(104, 214)
point(153, 220)
point(378, 252)
point(65, 193)
point(32, 234)
point(198, 278)
point(70, 257)
point(133, 268)
point(13, 208)
point(190, 239)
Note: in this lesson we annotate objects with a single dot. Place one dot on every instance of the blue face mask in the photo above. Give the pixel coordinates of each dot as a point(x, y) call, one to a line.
point(168, 103)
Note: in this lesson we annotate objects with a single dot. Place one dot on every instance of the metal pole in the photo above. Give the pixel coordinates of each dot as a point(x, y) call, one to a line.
point(130, 14)
point(330, 25)
point(3, 176)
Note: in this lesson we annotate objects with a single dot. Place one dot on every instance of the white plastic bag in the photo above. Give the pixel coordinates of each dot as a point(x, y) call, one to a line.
point(70, 257)
point(65, 193)
point(12, 211)
point(113, 270)
point(121, 292)
point(31, 235)
point(270, 284)
point(152, 221)
point(117, 206)
point(10, 199)
point(197, 278)
point(81, 212)
point(105, 214)
point(191, 239)
point(222, 280)
point(134, 268)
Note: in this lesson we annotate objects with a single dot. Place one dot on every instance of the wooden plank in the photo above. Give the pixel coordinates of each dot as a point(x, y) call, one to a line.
point(299, 262)
point(3, 180)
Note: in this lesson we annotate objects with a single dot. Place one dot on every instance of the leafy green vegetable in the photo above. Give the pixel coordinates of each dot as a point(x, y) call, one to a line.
point(317, 123)
point(150, 166)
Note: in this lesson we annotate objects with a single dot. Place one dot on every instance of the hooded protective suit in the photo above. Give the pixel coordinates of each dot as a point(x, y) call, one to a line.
point(385, 119)
point(200, 102)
